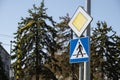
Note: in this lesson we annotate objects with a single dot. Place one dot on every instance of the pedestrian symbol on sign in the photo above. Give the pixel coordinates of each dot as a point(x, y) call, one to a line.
point(79, 51)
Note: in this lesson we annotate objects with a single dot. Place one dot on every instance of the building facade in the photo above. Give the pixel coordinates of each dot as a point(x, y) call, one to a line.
point(5, 59)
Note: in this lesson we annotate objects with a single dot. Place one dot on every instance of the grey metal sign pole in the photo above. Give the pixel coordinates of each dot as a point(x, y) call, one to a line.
point(80, 71)
point(87, 64)
point(84, 19)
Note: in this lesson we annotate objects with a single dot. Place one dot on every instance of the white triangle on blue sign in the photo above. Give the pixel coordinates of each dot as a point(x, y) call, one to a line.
point(79, 51)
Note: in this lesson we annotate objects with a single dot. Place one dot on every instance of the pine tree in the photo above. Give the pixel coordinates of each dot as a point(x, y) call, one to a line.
point(35, 45)
point(65, 34)
point(105, 52)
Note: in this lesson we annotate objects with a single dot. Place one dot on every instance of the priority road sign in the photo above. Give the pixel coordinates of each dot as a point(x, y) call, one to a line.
point(80, 21)
point(79, 50)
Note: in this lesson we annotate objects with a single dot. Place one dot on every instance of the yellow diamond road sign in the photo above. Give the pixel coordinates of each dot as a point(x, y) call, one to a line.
point(80, 21)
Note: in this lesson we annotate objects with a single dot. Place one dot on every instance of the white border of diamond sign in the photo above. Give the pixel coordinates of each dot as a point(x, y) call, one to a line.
point(88, 17)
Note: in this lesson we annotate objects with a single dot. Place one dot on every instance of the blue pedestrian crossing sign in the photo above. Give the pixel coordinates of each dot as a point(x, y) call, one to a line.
point(79, 50)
